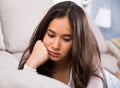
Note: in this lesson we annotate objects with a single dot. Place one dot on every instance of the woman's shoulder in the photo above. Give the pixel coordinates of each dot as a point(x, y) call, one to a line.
point(95, 82)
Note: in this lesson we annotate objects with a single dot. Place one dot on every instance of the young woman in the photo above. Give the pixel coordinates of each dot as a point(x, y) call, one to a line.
point(63, 47)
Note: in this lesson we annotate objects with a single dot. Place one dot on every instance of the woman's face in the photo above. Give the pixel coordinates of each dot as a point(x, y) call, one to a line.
point(58, 39)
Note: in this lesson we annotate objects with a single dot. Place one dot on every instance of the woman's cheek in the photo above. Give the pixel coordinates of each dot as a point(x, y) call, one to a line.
point(46, 41)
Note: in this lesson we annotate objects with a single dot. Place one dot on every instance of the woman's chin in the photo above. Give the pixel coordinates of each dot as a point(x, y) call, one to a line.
point(54, 58)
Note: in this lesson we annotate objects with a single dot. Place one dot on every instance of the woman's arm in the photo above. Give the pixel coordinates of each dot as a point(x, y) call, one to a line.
point(29, 69)
point(38, 56)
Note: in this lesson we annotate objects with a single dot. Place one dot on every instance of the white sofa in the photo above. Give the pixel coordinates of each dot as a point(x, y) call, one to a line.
point(18, 19)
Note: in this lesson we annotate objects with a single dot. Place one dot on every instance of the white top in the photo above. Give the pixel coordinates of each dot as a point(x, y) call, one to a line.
point(94, 82)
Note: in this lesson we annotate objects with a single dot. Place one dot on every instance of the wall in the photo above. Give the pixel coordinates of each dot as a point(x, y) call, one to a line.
point(114, 5)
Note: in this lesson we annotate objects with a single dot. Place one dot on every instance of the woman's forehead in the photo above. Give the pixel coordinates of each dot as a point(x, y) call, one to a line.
point(60, 25)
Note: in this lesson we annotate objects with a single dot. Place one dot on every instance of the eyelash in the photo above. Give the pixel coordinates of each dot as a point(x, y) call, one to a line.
point(51, 35)
point(67, 40)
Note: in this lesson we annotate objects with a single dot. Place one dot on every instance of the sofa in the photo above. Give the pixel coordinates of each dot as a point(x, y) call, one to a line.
point(18, 20)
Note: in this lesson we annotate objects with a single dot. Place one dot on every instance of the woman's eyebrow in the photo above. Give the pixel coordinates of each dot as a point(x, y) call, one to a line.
point(51, 30)
point(65, 35)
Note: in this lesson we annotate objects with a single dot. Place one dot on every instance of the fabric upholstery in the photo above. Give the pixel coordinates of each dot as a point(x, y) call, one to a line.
point(17, 56)
point(2, 45)
point(19, 19)
point(7, 61)
point(21, 79)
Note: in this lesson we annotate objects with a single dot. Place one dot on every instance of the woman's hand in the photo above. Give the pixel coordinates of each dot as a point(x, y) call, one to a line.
point(38, 56)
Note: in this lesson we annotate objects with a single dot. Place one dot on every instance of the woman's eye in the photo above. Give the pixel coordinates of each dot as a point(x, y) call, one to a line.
point(67, 40)
point(51, 35)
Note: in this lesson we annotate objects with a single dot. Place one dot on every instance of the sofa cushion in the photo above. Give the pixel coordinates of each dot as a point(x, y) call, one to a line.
point(18, 56)
point(7, 61)
point(2, 45)
point(19, 19)
point(21, 79)
point(99, 36)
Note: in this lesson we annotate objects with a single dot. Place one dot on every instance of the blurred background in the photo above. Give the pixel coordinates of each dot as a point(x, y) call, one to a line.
point(105, 13)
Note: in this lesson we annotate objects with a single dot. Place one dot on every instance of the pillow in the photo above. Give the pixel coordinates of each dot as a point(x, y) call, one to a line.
point(7, 61)
point(2, 46)
point(21, 79)
point(98, 35)
point(19, 19)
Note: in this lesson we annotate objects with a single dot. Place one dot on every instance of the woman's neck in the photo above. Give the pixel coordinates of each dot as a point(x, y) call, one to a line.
point(61, 66)
point(62, 71)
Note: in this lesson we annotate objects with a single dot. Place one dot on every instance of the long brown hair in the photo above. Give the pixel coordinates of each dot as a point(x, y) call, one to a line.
point(85, 54)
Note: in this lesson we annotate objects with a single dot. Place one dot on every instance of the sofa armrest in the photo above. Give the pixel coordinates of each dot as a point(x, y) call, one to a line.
point(7, 61)
point(22, 79)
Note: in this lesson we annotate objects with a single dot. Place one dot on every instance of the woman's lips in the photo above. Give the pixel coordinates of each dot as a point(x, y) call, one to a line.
point(54, 54)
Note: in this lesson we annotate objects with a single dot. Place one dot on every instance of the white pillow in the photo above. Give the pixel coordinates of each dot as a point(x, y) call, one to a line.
point(21, 79)
point(2, 46)
point(19, 19)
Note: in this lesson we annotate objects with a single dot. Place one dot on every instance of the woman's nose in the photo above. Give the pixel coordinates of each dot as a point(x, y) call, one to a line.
point(56, 44)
